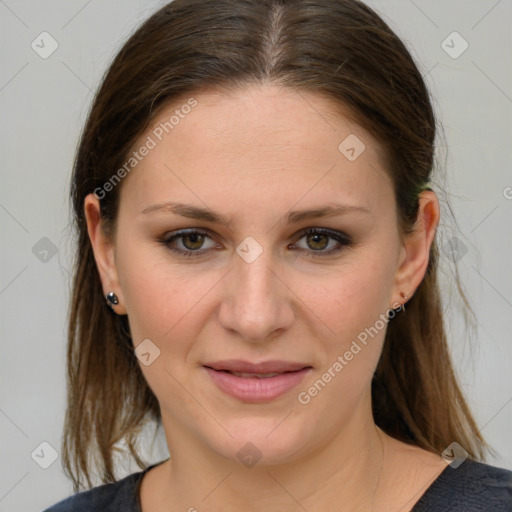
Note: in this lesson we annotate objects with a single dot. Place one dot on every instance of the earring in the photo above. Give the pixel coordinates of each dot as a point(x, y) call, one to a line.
point(405, 300)
point(112, 299)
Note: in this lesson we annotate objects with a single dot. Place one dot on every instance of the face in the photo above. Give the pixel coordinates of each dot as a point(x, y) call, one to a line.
point(259, 259)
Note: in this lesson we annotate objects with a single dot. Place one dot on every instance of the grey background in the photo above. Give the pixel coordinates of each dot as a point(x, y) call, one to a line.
point(43, 104)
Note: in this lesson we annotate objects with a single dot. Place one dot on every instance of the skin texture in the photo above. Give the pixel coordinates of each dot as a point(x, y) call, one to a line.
point(253, 155)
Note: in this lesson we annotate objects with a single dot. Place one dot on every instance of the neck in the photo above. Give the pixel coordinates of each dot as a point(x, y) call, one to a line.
point(345, 471)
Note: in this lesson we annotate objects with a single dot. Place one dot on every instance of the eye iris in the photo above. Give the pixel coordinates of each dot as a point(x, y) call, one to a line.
point(194, 237)
point(316, 237)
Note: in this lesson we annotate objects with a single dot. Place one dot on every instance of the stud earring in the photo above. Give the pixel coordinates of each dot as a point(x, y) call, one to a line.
point(112, 299)
point(405, 300)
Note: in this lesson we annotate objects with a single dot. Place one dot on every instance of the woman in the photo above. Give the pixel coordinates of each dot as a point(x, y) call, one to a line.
point(253, 201)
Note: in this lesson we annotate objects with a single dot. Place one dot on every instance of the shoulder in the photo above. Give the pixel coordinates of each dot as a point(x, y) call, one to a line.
point(472, 487)
point(120, 495)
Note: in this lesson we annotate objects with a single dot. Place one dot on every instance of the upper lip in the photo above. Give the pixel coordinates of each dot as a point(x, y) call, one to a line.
point(237, 365)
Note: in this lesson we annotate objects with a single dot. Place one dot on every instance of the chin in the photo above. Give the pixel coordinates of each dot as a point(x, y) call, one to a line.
point(262, 441)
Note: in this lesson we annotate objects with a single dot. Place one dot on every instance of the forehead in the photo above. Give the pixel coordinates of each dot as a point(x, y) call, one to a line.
point(262, 140)
point(272, 118)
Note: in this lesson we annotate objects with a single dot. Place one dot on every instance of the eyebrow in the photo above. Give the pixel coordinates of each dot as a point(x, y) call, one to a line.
point(294, 216)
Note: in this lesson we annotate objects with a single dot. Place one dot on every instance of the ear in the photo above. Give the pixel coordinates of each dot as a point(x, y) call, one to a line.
point(416, 248)
point(104, 251)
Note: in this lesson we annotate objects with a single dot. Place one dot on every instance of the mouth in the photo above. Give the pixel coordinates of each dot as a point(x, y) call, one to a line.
point(255, 375)
point(256, 383)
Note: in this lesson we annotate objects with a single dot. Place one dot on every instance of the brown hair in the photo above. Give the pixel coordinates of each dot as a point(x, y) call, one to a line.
point(340, 49)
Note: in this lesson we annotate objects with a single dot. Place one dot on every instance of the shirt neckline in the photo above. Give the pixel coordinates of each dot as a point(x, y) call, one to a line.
point(138, 483)
point(424, 497)
point(429, 490)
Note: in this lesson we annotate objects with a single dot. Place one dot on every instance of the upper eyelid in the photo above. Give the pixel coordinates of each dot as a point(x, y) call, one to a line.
point(330, 233)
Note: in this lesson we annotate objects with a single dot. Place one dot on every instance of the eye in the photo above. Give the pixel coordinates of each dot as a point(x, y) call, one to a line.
point(191, 240)
point(318, 239)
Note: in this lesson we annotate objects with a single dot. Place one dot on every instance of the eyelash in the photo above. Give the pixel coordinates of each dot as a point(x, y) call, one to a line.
point(343, 239)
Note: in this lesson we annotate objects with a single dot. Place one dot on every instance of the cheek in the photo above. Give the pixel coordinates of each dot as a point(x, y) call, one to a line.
point(353, 297)
point(165, 303)
point(354, 305)
point(159, 305)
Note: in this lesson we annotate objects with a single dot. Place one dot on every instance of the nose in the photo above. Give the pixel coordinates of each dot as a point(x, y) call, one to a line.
point(256, 304)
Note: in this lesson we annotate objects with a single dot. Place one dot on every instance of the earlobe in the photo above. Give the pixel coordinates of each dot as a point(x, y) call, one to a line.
point(104, 254)
point(417, 246)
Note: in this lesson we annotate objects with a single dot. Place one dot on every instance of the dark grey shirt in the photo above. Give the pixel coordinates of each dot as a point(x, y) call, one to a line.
point(472, 487)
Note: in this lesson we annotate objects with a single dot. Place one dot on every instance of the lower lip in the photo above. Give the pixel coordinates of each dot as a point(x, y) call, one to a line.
point(255, 390)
